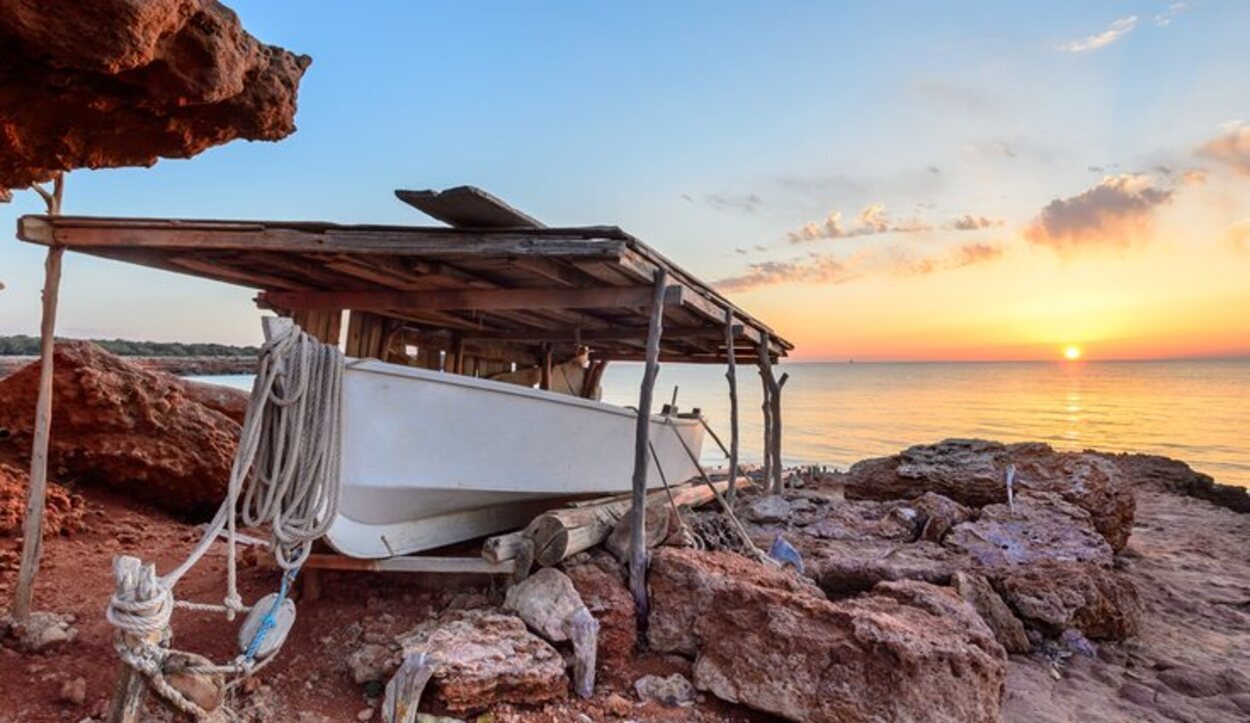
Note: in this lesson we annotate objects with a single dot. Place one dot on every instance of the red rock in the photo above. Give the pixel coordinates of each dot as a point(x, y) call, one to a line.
point(484, 658)
point(906, 651)
point(115, 83)
point(1170, 475)
point(1008, 630)
point(64, 512)
point(610, 602)
point(120, 426)
point(938, 515)
point(1055, 595)
point(973, 472)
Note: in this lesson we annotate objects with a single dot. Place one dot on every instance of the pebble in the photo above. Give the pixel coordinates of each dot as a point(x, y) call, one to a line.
point(73, 691)
point(364, 714)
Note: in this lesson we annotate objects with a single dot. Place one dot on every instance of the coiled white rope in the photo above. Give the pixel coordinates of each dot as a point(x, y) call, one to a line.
point(285, 472)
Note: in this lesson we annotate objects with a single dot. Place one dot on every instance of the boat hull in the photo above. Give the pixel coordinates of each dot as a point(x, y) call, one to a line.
point(430, 459)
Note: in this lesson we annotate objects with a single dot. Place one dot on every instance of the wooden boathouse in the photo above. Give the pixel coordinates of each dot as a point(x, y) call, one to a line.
point(492, 291)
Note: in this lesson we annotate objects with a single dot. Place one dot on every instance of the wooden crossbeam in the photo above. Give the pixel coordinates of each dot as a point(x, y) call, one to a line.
point(86, 233)
point(473, 299)
point(592, 335)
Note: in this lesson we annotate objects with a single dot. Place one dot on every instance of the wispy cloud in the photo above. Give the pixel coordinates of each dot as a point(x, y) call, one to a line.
point(1118, 29)
point(828, 268)
point(1231, 148)
point(872, 220)
point(1166, 17)
point(971, 222)
point(1116, 212)
point(747, 203)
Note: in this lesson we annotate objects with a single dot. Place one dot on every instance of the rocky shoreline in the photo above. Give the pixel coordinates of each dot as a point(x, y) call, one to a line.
point(1102, 587)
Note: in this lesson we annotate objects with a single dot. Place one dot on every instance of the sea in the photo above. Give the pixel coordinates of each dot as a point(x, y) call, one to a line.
point(835, 414)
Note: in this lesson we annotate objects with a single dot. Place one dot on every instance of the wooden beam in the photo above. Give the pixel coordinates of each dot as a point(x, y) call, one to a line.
point(475, 299)
point(642, 446)
point(84, 232)
point(411, 563)
point(536, 334)
point(467, 207)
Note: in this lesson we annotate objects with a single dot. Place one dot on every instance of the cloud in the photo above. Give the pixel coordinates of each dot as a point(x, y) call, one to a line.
point(1116, 30)
point(970, 222)
point(749, 203)
point(820, 268)
point(1116, 212)
point(1166, 17)
point(1231, 148)
point(1238, 235)
point(872, 220)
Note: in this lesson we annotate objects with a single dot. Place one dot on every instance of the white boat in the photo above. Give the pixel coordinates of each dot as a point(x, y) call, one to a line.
point(431, 458)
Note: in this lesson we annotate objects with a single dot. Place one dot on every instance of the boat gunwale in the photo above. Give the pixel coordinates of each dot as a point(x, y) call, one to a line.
point(376, 366)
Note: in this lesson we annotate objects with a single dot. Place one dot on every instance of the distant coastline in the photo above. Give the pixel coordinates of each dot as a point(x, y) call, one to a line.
point(184, 359)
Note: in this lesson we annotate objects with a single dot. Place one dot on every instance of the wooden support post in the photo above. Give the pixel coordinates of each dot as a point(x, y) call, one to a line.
point(772, 417)
point(775, 398)
point(642, 446)
point(731, 374)
point(32, 527)
point(546, 370)
point(135, 581)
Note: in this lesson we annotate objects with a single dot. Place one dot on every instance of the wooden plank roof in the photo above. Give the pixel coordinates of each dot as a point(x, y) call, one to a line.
point(495, 277)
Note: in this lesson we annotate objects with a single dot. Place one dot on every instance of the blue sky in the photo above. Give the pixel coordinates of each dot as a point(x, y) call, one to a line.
point(712, 127)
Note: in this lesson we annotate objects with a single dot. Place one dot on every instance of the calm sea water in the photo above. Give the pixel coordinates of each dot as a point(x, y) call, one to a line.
point(836, 414)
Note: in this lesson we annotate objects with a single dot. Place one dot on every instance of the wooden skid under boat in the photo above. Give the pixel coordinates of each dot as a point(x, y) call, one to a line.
point(431, 459)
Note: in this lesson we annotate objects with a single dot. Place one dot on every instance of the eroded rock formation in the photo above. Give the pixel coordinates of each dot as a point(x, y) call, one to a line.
point(761, 637)
point(114, 424)
point(113, 83)
point(973, 472)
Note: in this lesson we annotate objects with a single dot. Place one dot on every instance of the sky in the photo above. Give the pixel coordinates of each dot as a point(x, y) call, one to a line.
point(878, 181)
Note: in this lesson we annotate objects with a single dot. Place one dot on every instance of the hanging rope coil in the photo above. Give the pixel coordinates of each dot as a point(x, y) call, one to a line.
point(285, 476)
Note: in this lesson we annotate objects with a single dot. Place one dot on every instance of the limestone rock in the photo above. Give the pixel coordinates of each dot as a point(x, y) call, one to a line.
point(1008, 630)
point(671, 690)
point(372, 662)
point(73, 691)
point(484, 658)
point(866, 520)
point(1054, 595)
point(973, 472)
point(765, 509)
point(124, 427)
point(607, 598)
point(41, 630)
point(845, 567)
point(1170, 475)
point(938, 514)
point(546, 601)
point(208, 691)
point(906, 651)
point(124, 82)
point(1042, 527)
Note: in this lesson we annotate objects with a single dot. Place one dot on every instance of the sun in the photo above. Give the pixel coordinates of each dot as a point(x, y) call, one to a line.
point(1072, 353)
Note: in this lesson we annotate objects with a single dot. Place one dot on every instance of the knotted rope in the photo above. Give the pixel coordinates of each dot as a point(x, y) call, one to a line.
point(285, 473)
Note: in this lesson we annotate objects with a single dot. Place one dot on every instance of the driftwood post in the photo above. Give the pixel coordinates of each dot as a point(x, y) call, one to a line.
point(642, 442)
point(767, 407)
point(32, 528)
point(772, 417)
point(775, 398)
point(731, 374)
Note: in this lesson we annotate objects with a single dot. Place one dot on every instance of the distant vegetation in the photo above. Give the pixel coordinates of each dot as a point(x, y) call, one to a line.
point(22, 345)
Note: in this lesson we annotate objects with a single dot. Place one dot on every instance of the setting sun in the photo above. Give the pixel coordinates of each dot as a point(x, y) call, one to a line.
point(1072, 353)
